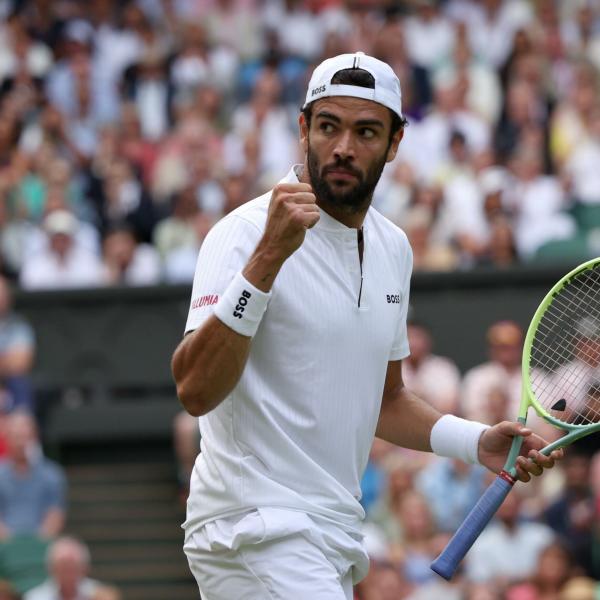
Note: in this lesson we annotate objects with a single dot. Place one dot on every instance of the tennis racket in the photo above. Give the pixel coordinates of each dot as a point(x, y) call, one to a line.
point(561, 381)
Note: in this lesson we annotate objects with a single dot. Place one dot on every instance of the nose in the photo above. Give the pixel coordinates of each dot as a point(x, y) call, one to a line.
point(344, 147)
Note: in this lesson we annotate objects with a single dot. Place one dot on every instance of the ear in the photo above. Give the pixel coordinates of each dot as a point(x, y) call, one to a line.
point(393, 149)
point(303, 133)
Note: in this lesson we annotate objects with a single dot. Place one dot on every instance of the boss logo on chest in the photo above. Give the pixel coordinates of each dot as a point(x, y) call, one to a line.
point(393, 298)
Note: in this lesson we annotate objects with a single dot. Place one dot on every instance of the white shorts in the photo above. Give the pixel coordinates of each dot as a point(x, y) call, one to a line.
point(275, 554)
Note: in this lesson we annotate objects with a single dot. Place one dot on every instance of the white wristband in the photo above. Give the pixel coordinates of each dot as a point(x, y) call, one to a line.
point(242, 306)
point(457, 438)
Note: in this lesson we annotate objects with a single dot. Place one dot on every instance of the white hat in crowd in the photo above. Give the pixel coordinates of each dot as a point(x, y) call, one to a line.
point(60, 221)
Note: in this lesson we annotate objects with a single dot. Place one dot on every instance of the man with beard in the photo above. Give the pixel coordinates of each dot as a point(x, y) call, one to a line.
point(292, 359)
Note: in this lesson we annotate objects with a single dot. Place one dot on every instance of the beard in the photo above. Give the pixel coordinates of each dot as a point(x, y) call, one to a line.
point(353, 200)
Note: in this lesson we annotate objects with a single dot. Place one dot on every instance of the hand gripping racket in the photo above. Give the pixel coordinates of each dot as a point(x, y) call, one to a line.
point(561, 381)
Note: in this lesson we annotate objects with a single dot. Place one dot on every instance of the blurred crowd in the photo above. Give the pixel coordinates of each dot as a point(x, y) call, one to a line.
point(128, 128)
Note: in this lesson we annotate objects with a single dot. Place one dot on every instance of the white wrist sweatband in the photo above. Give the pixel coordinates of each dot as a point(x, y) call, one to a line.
point(457, 438)
point(242, 306)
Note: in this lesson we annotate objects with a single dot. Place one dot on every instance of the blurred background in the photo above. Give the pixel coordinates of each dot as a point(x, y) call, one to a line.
point(128, 128)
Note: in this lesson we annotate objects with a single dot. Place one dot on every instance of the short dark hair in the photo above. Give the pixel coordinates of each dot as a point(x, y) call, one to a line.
point(359, 78)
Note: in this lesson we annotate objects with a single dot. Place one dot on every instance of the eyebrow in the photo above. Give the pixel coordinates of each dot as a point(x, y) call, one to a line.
point(360, 123)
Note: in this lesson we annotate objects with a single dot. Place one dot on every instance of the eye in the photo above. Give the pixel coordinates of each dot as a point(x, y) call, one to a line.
point(327, 127)
point(367, 133)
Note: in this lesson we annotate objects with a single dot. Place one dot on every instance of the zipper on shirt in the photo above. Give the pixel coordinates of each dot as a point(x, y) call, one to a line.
point(360, 238)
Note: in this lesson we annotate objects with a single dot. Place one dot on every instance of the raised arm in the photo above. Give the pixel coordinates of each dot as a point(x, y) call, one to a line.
point(210, 360)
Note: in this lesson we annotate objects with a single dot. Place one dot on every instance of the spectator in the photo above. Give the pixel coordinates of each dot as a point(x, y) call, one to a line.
point(419, 544)
point(126, 262)
point(177, 230)
point(493, 25)
point(76, 78)
point(180, 262)
point(68, 565)
point(430, 36)
point(585, 365)
point(553, 570)
point(501, 372)
point(64, 265)
point(484, 94)
point(508, 550)
point(383, 582)
point(106, 592)
point(198, 63)
point(434, 378)
point(537, 202)
point(428, 254)
point(7, 592)
point(580, 588)
point(400, 471)
point(374, 479)
point(122, 197)
point(148, 86)
point(569, 121)
point(20, 53)
point(264, 117)
point(17, 349)
point(186, 443)
point(451, 488)
point(32, 488)
point(573, 514)
point(581, 167)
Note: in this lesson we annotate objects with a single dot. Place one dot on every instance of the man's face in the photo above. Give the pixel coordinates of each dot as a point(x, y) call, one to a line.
point(347, 147)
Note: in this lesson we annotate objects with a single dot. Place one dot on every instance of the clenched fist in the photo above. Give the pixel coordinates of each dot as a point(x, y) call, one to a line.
point(292, 211)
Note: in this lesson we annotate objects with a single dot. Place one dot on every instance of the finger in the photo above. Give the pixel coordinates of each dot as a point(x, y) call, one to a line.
point(301, 198)
point(522, 474)
point(313, 221)
point(512, 429)
point(546, 462)
point(293, 187)
point(558, 454)
point(530, 466)
point(309, 218)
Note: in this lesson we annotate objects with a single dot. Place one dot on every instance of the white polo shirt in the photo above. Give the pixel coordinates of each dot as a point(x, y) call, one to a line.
point(296, 431)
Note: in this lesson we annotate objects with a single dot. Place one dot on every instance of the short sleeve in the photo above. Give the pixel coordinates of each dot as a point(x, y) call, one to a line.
point(224, 252)
point(400, 347)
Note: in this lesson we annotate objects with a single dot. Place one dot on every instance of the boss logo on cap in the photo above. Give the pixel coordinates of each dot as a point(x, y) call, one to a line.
point(318, 90)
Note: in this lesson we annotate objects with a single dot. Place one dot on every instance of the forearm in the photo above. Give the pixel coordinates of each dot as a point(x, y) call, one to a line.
point(16, 362)
point(53, 523)
point(406, 420)
point(5, 532)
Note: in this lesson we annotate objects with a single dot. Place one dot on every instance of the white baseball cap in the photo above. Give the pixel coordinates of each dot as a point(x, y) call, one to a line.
point(60, 222)
point(387, 85)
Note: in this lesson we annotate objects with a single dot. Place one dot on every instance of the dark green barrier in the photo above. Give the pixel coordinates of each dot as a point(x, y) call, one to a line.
point(110, 348)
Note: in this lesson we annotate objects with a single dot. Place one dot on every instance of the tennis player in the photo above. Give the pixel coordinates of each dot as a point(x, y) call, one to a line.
point(293, 359)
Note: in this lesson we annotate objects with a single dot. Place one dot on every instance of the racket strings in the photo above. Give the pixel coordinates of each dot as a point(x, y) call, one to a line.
point(564, 367)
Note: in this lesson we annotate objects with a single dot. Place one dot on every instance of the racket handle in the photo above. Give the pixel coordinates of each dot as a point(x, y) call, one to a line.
point(447, 562)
